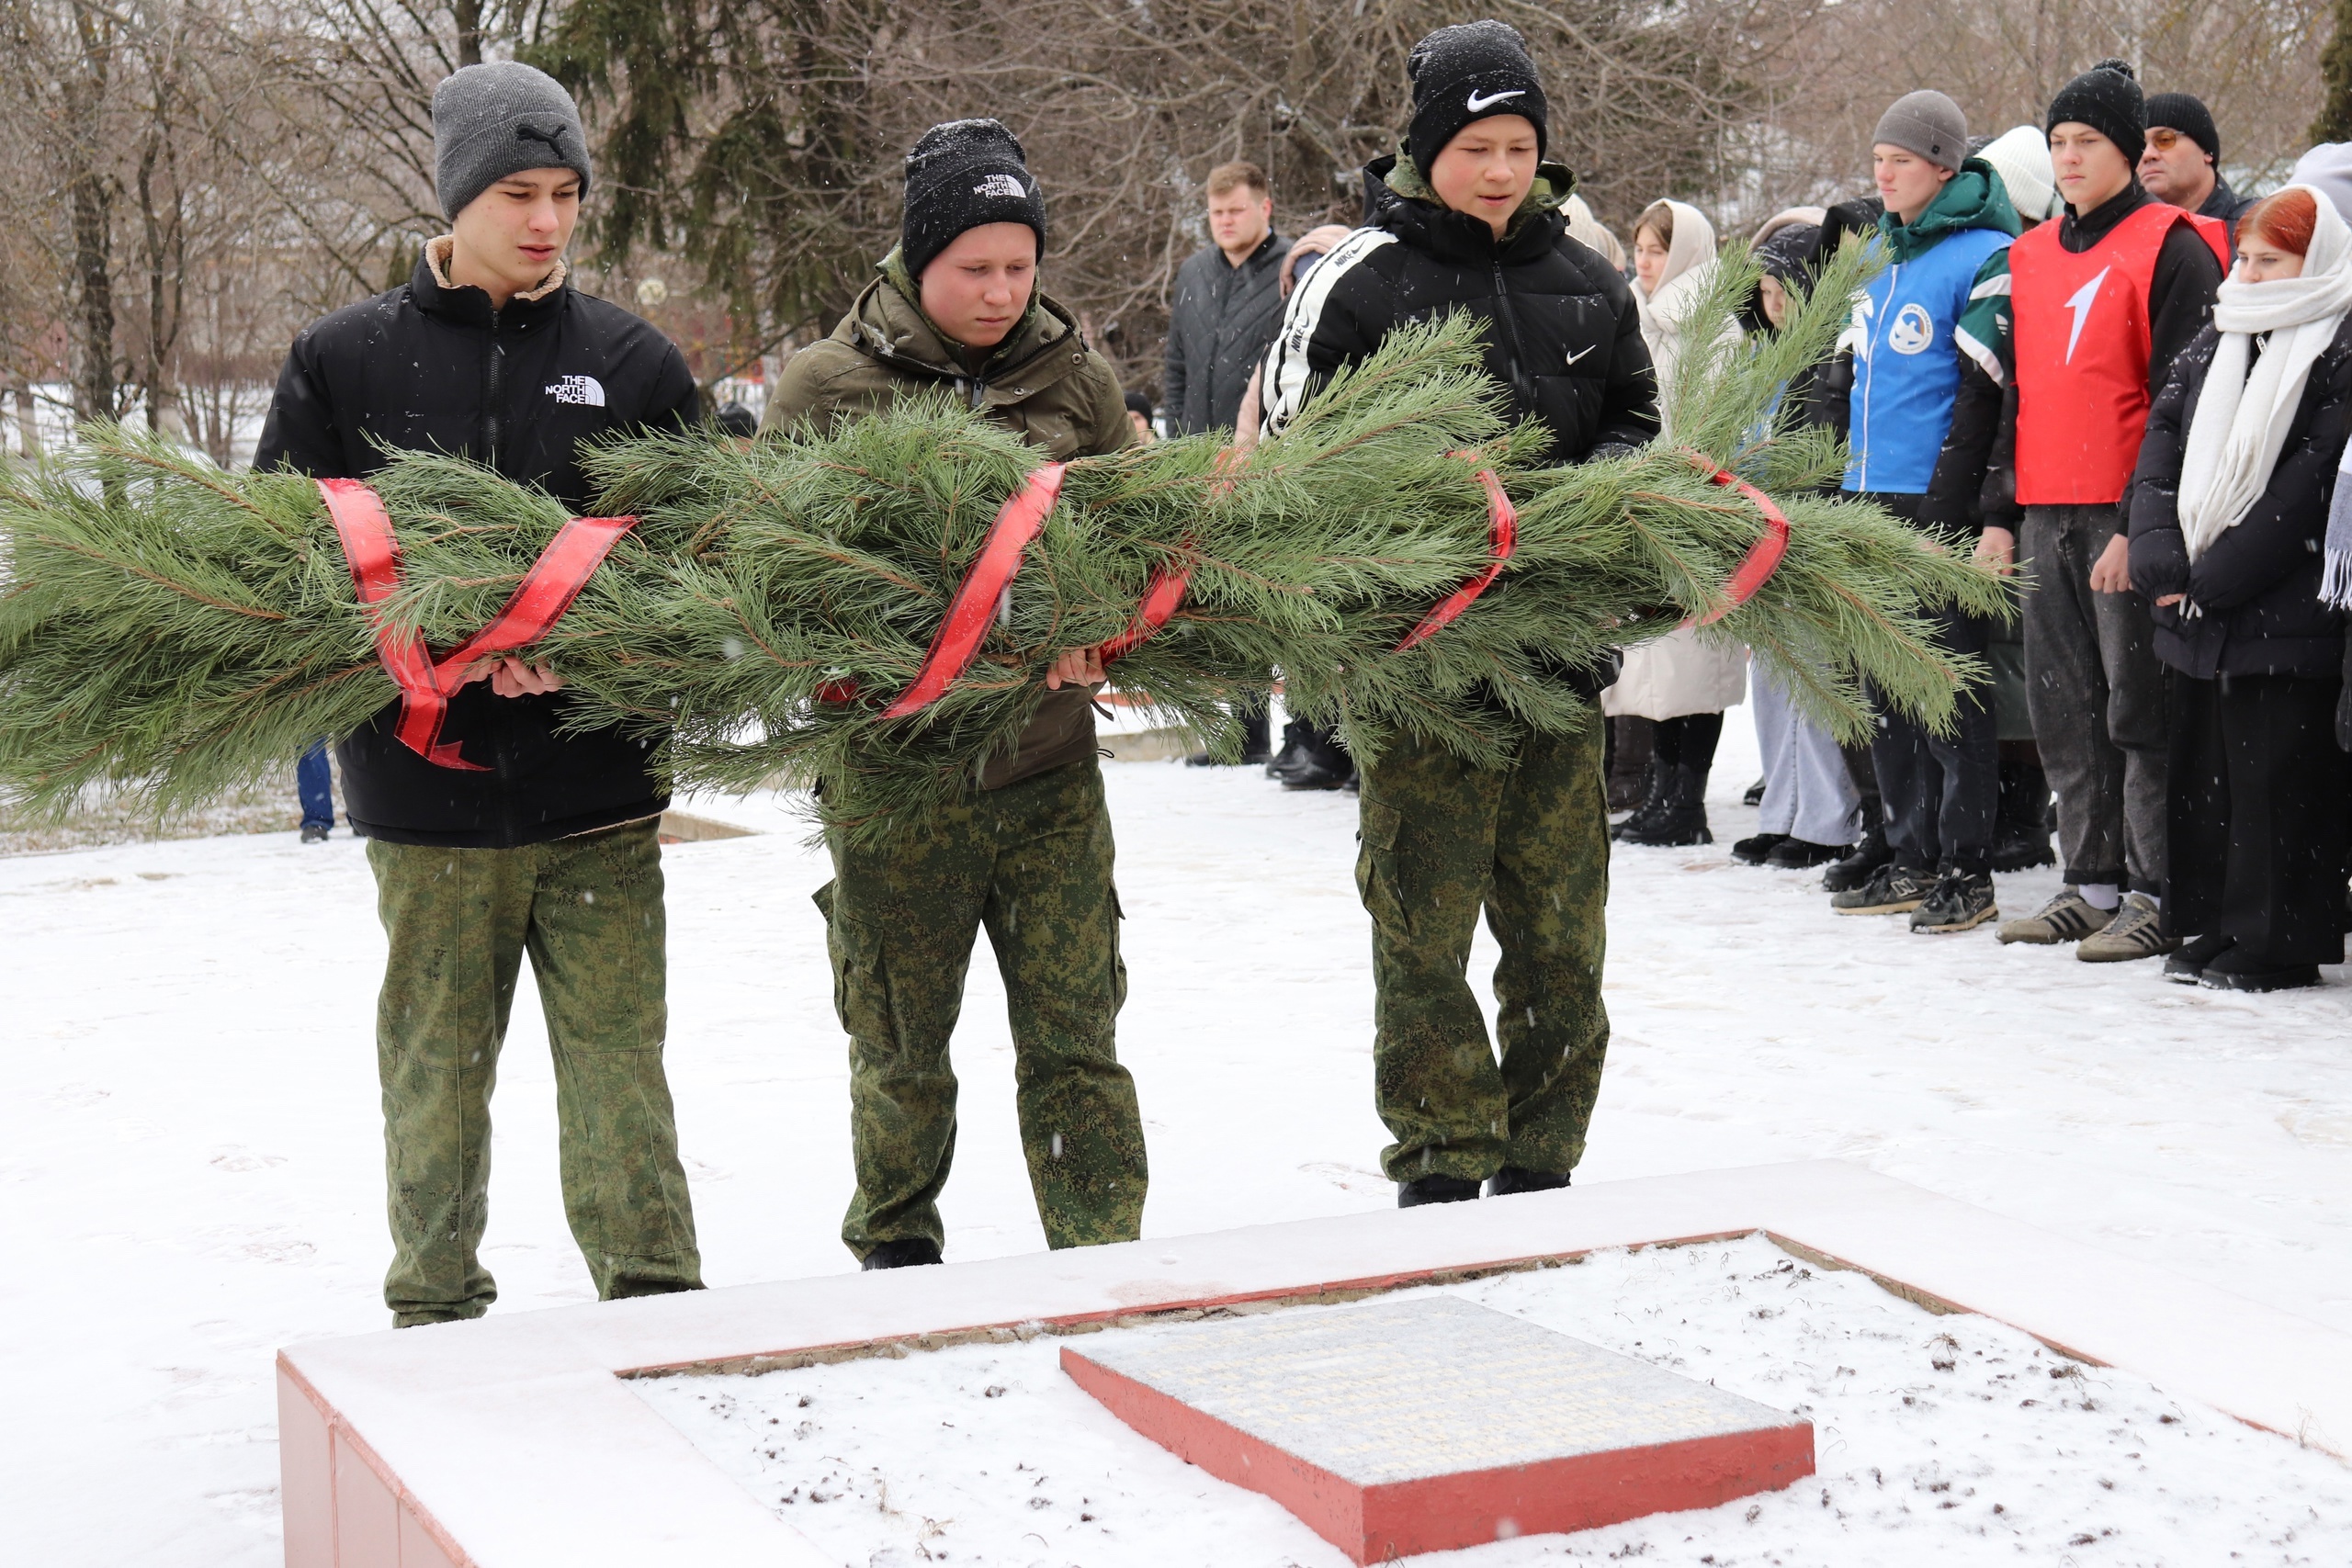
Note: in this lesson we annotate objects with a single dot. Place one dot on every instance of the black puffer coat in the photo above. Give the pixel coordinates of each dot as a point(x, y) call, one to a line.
point(431, 367)
point(1219, 323)
point(2256, 586)
point(1562, 332)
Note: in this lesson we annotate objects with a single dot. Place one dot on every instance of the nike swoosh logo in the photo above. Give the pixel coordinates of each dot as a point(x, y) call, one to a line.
point(1579, 354)
point(1480, 106)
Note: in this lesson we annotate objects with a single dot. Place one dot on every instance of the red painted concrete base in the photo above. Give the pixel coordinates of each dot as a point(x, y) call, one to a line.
point(1402, 1492)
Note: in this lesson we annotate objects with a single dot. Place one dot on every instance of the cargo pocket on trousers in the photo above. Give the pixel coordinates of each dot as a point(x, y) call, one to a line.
point(1118, 956)
point(1376, 878)
point(861, 979)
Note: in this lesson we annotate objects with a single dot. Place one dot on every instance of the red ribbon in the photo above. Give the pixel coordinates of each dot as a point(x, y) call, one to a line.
point(958, 641)
point(1763, 557)
point(547, 591)
point(1161, 596)
point(1502, 533)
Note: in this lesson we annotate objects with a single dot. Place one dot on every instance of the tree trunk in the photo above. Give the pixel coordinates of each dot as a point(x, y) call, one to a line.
point(2335, 121)
point(27, 423)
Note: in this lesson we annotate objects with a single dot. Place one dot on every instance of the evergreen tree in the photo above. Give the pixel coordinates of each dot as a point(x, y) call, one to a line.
point(2335, 121)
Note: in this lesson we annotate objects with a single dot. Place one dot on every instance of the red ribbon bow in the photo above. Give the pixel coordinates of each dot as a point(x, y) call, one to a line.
point(1763, 558)
point(547, 591)
point(1502, 535)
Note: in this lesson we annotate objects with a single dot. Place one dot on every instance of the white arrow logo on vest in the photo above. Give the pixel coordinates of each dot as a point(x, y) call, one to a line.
point(2081, 305)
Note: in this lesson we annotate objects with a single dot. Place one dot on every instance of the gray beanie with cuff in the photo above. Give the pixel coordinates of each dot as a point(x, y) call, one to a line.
point(495, 120)
point(1925, 123)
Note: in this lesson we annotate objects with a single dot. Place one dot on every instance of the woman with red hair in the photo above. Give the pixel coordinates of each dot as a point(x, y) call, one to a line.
point(2229, 517)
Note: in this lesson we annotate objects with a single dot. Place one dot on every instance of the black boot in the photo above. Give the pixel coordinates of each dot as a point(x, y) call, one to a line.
point(913, 1253)
point(1630, 744)
point(1435, 1190)
point(1257, 744)
point(1757, 849)
point(1649, 799)
point(1862, 862)
point(1510, 1180)
point(1296, 736)
point(1681, 815)
point(2021, 827)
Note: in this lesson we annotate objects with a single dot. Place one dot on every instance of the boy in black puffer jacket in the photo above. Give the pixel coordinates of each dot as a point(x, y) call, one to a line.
point(515, 835)
point(1469, 220)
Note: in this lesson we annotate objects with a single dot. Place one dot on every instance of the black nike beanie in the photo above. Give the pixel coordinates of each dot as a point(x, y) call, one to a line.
point(1469, 72)
point(960, 176)
point(2106, 98)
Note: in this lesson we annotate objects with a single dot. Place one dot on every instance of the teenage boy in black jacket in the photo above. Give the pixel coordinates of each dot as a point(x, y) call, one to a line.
point(528, 840)
point(1470, 222)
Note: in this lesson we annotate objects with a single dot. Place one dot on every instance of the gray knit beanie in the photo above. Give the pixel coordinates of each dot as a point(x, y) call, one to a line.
point(492, 120)
point(1926, 123)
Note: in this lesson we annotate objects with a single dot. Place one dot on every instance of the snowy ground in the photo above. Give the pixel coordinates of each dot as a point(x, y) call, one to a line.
point(1937, 1439)
point(188, 1129)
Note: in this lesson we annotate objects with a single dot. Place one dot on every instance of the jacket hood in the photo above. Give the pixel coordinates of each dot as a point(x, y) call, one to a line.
point(1788, 218)
point(1973, 198)
point(888, 323)
point(1395, 177)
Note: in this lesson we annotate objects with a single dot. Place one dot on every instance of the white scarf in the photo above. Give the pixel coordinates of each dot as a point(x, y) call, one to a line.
point(2243, 414)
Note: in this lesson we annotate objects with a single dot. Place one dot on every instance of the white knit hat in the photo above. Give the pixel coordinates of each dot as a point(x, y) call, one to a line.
point(2023, 159)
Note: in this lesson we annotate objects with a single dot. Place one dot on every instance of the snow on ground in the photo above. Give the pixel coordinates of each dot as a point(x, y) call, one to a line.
point(192, 1176)
point(1937, 1439)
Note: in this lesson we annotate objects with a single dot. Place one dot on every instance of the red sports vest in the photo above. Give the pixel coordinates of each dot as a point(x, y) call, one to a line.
point(2082, 349)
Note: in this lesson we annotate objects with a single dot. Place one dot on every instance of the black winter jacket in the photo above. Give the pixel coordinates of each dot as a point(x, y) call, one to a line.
point(1219, 324)
point(434, 367)
point(2256, 586)
point(1562, 334)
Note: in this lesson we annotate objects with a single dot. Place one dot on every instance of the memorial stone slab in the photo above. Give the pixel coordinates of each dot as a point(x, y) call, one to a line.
point(1434, 1424)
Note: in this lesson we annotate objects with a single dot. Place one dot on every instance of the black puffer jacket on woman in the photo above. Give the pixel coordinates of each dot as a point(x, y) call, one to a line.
point(2257, 587)
point(1561, 332)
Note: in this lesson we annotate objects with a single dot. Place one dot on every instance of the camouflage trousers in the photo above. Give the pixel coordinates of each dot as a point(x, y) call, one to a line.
point(589, 912)
point(1528, 844)
point(1031, 862)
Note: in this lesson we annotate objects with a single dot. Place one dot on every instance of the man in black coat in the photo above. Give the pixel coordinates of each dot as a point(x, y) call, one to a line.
point(2182, 162)
point(1469, 220)
point(513, 836)
point(1228, 301)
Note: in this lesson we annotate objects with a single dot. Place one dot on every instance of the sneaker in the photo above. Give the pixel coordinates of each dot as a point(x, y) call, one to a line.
point(915, 1252)
point(1960, 901)
point(1890, 891)
point(1859, 865)
point(2069, 917)
point(1756, 850)
point(1436, 1190)
point(1802, 854)
point(2188, 964)
point(2137, 932)
point(315, 832)
point(2238, 970)
point(1510, 1180)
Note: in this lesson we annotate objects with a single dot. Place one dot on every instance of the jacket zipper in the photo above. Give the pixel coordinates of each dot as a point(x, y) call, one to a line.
point(493, 426)
point(1519, 382)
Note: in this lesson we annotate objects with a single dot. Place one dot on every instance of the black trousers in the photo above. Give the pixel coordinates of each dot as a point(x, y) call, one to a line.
point(2258, 814)
point(1941, 792)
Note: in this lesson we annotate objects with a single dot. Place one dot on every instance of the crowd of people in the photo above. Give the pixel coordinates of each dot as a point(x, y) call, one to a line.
point(2016, 380)
point(2050, 370)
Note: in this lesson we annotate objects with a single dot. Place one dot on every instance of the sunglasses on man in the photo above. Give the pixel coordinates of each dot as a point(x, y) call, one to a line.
point(2163, 139)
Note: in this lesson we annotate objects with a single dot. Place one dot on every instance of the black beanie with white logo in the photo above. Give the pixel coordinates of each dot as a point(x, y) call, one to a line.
point(1468, 73)
point(960, 176)
point(2106, 98)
